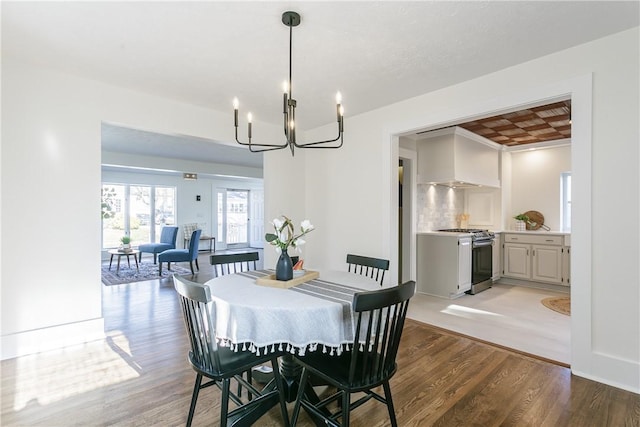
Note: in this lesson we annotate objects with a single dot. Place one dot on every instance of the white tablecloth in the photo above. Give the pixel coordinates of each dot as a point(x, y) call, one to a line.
point(313, 316)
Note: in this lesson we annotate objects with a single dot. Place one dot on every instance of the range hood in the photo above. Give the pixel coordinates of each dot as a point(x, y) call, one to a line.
point(455, 157)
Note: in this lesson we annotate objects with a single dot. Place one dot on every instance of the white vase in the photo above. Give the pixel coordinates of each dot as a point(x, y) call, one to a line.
point(520, 226)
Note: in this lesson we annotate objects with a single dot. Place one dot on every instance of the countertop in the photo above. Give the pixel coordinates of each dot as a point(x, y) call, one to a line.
point(448, 233)
point(552, 232)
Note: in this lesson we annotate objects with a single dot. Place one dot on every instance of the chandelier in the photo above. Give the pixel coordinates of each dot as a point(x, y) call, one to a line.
point(290, 19)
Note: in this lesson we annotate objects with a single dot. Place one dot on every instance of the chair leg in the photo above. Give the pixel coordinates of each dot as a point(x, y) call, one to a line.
point(387, 396)
point(194, 399)
point(197, 266)
point(301, 387)
point(346, 403)
point(240, 388)
point(280, 385)
point(191, 265)
point(224, 403)
point(155, 257)
point(160, 268)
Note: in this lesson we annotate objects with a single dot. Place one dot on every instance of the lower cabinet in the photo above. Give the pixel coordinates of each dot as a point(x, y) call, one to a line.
point(535, 257)
point(444, 265)
point(517, 261)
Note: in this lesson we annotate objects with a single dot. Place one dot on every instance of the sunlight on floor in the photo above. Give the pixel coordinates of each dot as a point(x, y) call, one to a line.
point(468, 312)
point(72, 371)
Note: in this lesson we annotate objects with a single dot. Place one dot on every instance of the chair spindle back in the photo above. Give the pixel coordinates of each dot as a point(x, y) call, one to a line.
point(197, 309)
point(234, 263)
point(367, 266)
point(380, 319)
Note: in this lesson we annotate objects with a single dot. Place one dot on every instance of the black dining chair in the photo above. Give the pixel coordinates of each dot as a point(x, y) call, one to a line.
point(369, 363)
point(221, 364)
point(233, 263)
point(367, 266)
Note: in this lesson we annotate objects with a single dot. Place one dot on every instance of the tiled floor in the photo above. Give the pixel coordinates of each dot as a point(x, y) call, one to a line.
point(511, 316)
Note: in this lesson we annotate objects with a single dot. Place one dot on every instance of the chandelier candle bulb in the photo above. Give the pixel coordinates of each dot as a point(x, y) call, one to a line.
point(235, 111)
point(285, 88)
point(249, 118)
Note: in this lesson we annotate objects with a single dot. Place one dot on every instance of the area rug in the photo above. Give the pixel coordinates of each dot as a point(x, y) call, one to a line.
point(147, 271)
point(560, 304)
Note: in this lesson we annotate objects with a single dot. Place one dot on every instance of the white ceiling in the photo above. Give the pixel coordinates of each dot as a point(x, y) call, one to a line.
point(144, 143)
point(375, 53)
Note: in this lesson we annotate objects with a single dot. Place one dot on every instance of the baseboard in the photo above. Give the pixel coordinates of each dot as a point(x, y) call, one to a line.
point(613, 371)
point(51, 338)
point(535, 285)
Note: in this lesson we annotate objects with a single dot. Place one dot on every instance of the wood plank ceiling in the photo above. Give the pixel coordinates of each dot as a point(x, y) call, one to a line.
point(538, 124)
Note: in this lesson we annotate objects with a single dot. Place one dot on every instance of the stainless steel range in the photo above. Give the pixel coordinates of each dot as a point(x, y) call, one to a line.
point(481, 257)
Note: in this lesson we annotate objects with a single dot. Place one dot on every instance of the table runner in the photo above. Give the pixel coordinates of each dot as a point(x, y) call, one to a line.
point(314, 315)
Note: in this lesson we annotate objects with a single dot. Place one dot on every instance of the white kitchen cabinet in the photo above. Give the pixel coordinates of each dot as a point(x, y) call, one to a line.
point(464, 264)
point(496, 258)
point(517, 261)
point(566, 261)
point(444, 264)
point(546, 263)
point(539, 258)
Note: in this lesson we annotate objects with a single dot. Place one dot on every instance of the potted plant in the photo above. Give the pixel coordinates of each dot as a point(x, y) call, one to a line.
point(126, 242)
point(521, 222)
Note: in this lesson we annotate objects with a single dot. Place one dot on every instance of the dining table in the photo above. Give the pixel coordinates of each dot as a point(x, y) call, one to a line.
point(315, 315)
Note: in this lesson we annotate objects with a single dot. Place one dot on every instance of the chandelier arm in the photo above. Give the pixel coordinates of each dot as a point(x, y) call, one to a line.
point(253, 144)
point(317, 144)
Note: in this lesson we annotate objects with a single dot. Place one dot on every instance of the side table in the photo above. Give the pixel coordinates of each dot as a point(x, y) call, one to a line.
point(120, 253)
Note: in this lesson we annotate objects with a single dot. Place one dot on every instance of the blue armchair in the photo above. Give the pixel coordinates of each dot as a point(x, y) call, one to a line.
point(167, 241)
point(182, 255)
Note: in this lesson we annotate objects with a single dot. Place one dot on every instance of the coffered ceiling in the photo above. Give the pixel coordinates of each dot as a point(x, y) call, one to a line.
point(537, 124)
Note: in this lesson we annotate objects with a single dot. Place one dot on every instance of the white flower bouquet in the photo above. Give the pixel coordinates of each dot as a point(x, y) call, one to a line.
point(284, 234)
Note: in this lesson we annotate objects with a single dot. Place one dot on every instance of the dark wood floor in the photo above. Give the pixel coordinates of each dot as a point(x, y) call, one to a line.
point(139, 376)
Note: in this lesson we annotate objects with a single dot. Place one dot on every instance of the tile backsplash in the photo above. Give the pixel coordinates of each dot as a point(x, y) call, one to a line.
point(438, 207)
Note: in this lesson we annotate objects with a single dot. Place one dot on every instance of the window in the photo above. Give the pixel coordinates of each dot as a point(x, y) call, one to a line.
point(565, 203)
point(138, 211)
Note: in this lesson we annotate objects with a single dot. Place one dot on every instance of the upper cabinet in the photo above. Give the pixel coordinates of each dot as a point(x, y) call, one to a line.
point(455, 156)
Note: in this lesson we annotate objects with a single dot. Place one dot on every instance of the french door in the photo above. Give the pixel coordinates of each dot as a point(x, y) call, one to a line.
point(233, 217)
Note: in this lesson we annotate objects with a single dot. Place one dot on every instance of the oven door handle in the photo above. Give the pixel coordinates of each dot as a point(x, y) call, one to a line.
point(482, 243)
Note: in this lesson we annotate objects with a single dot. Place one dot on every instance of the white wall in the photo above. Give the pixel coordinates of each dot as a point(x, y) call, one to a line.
point(51, 178)
point(354, 200)
point(535, 183)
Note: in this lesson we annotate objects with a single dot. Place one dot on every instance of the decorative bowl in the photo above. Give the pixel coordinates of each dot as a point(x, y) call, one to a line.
point(298, 273)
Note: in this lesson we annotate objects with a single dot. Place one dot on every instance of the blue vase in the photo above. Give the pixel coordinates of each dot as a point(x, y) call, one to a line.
point(284, 267)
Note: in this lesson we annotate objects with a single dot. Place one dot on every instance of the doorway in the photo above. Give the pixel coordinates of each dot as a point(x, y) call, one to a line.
point(459, 315)
point(233, 217)
point(406, 229)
